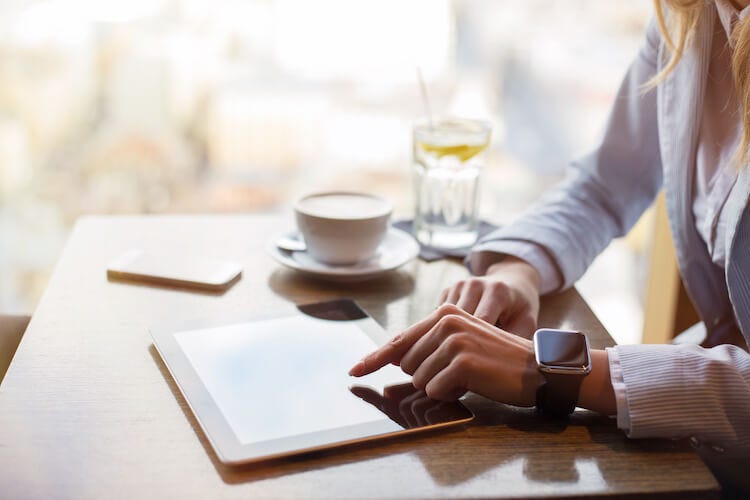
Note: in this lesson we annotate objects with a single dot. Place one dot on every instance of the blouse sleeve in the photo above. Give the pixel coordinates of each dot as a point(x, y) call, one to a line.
point(673, 391)
point(605, 192)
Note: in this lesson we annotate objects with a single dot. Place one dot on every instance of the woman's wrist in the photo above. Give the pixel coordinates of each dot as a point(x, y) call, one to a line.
point(596, 392)
point(511, 265)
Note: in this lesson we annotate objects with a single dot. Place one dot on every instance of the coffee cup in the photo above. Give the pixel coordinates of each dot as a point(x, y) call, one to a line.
point(342, 228)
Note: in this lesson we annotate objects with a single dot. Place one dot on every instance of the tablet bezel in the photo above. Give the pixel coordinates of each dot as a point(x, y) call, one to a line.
point(217, 429)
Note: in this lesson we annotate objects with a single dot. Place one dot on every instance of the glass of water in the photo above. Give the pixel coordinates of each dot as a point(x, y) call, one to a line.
point(448, 155)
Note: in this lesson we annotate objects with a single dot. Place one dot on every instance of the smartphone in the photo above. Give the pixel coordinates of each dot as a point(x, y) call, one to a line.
point(175, 270)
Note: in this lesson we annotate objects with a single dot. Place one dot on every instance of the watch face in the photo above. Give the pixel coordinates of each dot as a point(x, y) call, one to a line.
point(560, 348)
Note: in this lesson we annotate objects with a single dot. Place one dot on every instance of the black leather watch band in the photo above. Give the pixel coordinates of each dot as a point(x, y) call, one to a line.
point(558, 395)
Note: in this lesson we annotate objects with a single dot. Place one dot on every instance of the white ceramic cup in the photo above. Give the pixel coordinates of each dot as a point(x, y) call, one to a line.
point(342, 228)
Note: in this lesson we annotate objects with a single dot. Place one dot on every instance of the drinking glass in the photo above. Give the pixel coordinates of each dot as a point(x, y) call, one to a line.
point(449, 155)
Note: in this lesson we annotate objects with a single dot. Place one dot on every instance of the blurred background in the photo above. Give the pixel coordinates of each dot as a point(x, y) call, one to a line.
point(183, 106)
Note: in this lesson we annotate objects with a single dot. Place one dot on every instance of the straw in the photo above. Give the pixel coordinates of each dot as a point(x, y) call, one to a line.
point(425, 99)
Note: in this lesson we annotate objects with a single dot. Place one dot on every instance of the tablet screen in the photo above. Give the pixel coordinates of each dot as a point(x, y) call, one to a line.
point(285, 376)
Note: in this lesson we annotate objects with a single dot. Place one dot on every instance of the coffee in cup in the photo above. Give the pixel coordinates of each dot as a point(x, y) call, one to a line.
point(342, 228)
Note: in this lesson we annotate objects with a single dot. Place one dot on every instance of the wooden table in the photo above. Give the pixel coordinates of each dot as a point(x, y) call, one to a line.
point(88, 410)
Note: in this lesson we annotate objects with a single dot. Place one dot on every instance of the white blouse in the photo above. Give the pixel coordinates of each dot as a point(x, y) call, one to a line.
point(719, 136)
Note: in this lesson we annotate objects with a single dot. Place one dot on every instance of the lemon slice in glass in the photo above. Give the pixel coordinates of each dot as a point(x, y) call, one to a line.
point(462, 151)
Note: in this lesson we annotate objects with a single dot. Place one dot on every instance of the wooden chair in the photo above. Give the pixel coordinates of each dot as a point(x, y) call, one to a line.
point(667, 309)
point(11, 332)
point(669, 315)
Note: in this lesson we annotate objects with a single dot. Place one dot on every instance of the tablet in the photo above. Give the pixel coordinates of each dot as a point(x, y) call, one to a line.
point(278, 384)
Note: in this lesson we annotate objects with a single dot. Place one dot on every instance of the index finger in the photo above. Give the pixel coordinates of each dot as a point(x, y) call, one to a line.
point(395, 349)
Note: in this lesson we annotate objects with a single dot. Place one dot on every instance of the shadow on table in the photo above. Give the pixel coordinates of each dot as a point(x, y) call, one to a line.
point(373, 295)
point(452, 458)
point(585, 448)
point(160, 285)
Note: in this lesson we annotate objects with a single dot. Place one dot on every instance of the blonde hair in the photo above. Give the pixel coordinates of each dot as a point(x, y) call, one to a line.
point(677, 31)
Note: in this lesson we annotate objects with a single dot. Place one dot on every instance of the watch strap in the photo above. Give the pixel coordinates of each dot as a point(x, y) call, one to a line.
point(558, 395)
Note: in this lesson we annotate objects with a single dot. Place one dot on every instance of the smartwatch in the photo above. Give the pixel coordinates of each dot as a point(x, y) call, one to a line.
point(563, 357)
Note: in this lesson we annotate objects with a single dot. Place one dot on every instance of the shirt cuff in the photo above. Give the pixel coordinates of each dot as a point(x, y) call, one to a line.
point(486, 254)
point(618, 384)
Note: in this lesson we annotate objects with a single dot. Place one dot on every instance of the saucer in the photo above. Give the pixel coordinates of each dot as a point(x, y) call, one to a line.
point(398, 248)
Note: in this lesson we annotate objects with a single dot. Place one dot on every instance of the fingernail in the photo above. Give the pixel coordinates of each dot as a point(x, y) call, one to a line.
point(357, 369)
point(396, 339)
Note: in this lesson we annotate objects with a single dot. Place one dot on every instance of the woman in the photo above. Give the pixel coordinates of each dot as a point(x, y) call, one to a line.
point(681, 121)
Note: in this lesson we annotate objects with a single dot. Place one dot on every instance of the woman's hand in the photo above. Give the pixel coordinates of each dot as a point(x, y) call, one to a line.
point(451, 352)
point(507, 296)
